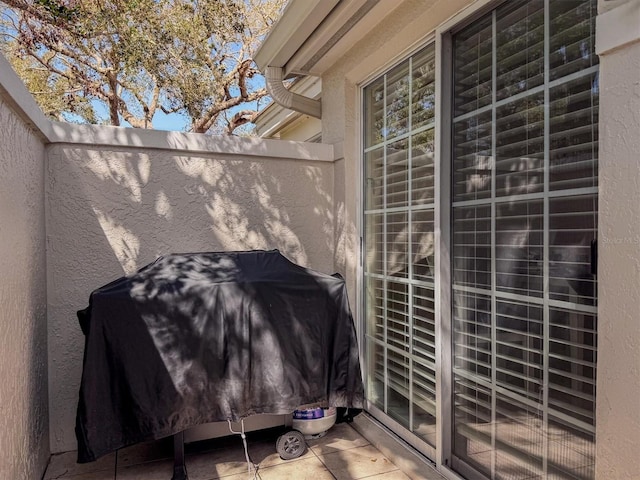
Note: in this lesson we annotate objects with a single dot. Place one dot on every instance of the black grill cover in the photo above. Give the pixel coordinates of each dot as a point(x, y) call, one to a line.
point(206, 337)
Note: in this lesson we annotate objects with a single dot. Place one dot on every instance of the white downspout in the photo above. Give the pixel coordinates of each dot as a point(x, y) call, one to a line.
point(274, 76)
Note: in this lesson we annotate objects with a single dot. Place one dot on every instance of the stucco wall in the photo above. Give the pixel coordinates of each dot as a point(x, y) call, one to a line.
point(113, 210)
point(24, 419)
point(618, 387)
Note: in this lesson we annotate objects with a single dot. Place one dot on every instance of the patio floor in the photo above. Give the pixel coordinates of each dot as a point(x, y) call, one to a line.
point(342, 454)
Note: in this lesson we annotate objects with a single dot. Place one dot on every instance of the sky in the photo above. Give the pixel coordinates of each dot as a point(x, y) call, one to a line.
point(162, 121)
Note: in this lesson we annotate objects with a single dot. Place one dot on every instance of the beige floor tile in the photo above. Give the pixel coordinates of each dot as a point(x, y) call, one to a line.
point(238, 476)
point(104, 475)
point(395, 475)
point(340, 437)
point(159, 470)
point(215, 464)
point(146, 452)
point(64, 465)
point(305, 469)
point(231, 460)
point(201, 466)
point(357, 462)
point(217, 443)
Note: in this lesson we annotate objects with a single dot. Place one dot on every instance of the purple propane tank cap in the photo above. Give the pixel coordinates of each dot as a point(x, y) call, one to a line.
point(308, 414)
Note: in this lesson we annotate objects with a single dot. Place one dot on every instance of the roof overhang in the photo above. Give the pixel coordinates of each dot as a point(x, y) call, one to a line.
point(298, 21)
point(312, 34)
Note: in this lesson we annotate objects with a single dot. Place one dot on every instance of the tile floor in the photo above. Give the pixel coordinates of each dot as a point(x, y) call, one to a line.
point(342, 454)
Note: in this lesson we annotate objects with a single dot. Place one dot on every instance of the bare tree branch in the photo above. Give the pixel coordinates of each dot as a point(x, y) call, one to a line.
point(206, 122)
point(240, 118)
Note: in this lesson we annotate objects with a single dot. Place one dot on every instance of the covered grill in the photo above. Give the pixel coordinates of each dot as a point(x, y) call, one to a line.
point(208, 337)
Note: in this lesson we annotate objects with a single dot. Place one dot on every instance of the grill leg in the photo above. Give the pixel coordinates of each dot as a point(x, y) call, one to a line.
point(179, 468)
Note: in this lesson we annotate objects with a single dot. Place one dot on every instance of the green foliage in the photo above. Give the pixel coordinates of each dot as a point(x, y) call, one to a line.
point(137, 57)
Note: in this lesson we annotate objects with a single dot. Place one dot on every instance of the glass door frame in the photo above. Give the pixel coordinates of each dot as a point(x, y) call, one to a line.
point(441, 37)
point(396, 427)
point(442, 454)
point(547, 196)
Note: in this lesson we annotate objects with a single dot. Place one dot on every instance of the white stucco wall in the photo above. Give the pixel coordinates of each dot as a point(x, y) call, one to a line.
point(24, 439)
point(113, 210)
point(618, 387)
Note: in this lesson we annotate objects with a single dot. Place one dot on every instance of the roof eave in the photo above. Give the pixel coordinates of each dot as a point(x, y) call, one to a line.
point(299, 20)
point(310, 37)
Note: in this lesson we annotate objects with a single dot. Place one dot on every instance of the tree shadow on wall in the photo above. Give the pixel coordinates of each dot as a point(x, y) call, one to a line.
point(149, 203)
point(113, 210)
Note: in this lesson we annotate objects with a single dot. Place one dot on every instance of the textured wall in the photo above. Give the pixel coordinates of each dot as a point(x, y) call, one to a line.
point(24, 439)
point(111, 211)
point(618, 408)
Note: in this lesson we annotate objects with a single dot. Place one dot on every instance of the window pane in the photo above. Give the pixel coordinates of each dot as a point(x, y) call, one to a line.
point(397, 174)
point(519, 343)
point(423, 245)
point(398, 101)
point(374, 307)
point(374, 251)
point(519, 248)
point(422, 170)
point(571, 451)
point(520, 146)
point(398, 387)
point(572, 369)
point(424, 327)
point(374, 113)
point(472, 67)
point(573, 134)
point(375, 373)
point(519, 47)
point(572, 36)
point(423, 98)
point(472, 246)
point(517, 424)
point(424, 365)
point(398, 244)
point(397, 313)
point(374, 180)
point(472, 423)
point(472, 334)
point(472, 158)
point(573, 223)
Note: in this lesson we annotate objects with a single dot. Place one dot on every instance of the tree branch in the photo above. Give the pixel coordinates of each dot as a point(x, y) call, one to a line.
point(203, 124)
point(240, 118)
point(33, 11)
point(169, 111)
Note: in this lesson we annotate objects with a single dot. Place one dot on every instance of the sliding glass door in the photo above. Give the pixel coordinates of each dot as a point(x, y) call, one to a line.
point(520, 325)
point(398, 266)
point(524, 210)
